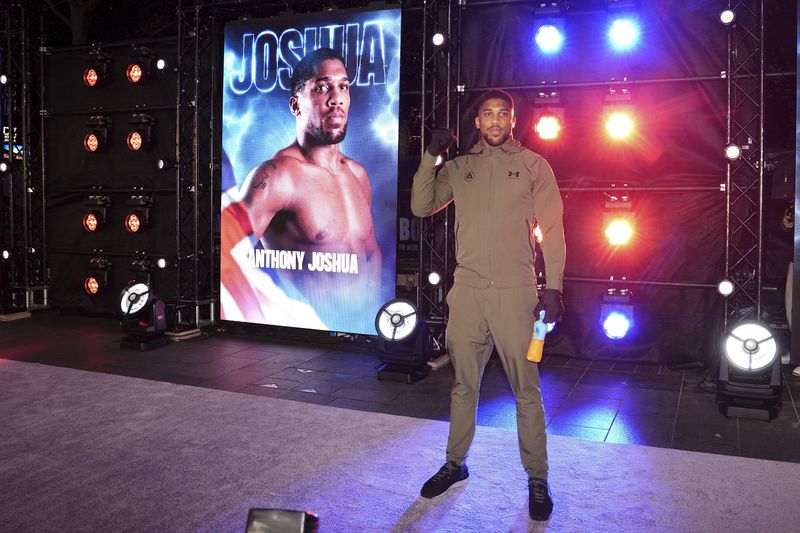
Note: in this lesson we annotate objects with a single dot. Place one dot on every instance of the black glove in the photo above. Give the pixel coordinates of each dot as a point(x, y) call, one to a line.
point(441, 139)
point(552, 304)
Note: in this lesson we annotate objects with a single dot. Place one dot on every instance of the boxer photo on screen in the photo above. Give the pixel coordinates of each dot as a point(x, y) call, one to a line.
point(309, 205)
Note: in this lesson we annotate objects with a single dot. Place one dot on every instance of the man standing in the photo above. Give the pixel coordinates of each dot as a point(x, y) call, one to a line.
point(308, 198)
point(500, 191)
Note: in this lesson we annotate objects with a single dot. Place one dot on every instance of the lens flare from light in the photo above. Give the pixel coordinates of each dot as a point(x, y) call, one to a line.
point(135, 141)
point(91, 285)
point(91, 142)
point(132, 223)
point(624, 34)
point(548, 127)
point(616, 325)
point(619, 125)
point(549, 39)
point(134, 73)
point(90, 222)
point(619, 232)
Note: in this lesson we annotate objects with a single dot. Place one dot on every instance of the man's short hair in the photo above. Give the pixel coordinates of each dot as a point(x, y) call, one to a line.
point(305, 68)
point(494, 93)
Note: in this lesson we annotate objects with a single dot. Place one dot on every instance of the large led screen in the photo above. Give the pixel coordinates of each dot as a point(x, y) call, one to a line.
point(309, 177)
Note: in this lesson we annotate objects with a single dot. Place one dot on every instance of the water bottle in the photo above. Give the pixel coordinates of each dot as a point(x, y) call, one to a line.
point(537, 339)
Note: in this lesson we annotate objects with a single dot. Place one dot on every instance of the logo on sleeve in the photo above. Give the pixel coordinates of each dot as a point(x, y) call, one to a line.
point(469, 176)
point(513, 175)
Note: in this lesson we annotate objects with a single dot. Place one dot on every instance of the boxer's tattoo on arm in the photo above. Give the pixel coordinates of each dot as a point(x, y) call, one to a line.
point(261, 181)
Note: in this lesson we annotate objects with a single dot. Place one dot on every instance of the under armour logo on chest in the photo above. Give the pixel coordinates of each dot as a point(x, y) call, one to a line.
point(513, 174)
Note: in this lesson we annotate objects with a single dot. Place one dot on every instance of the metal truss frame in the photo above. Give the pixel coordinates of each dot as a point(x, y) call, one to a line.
point(22, 214)
point(744, 248)
point(440, 107)
point(198, 166)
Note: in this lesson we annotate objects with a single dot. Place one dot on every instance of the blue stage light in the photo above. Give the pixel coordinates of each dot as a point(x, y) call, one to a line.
point(624, 33)
point(549, 38)
point(616, 325)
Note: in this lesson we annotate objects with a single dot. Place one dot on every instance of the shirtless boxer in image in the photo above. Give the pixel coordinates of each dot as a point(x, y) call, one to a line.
point(309, 198)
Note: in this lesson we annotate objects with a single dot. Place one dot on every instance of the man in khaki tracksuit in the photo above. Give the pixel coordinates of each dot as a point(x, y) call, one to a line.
point(500, 191)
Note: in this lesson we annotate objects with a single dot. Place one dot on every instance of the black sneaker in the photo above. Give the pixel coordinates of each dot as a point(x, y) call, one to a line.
point(540, 502)
point(449, 476)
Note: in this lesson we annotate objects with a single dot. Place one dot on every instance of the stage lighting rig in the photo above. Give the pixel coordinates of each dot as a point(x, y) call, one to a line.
point(141, 264)
point(618, 221)
point(140, 67)
point(97, 279)
point(96, 73)
point(140, 137)
point(94, 217)
point(549, 29)
point(138, 216)
point(549, 115)
point(618, 113)
point(96, 139)
point(616, 313)
point(405, 342)
point(143, 317)
point(749, 382)
point(623, 24)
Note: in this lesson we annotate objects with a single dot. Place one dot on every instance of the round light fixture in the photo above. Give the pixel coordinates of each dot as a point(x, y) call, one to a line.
point(134, 73)
point(727, 17)
point(90, 77)
point(548, 127)
point(396, 320)
point(91, 142)
point(725, 287)
point(549, 38)
point(616, 325)
point(134, 298)
point(91, 285)
point(733, 152)
point(750, 346)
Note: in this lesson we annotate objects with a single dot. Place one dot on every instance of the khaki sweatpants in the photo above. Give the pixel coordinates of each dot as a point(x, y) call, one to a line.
point(478, 319)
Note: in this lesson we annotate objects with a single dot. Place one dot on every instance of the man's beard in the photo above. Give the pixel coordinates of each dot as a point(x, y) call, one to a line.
point(322, 136)
point(490, 140)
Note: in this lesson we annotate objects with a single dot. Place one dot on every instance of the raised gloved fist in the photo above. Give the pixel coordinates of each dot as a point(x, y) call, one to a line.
point(551, 302)
point(441, 139)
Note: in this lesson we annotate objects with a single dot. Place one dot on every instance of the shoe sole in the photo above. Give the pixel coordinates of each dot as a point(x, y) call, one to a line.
point(451, 487)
